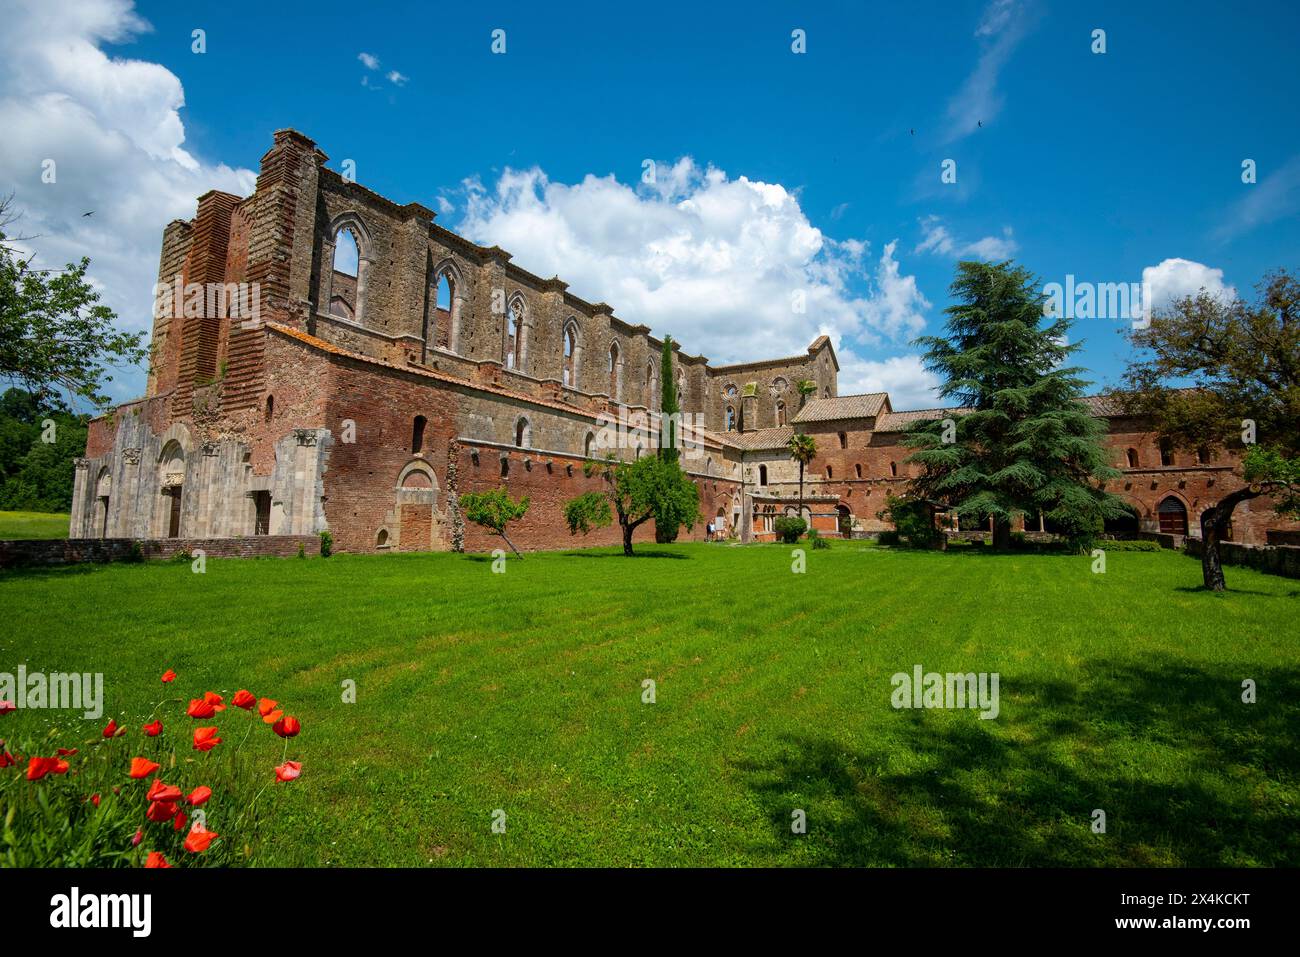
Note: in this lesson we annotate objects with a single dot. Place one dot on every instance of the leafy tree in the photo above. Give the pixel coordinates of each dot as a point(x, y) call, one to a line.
point(38, 442)
point(1211, 371)
point(54, 334)
point(913, 520)
point(636, 492)
point(1027, 444)
point(494, 510)
point(803, 449)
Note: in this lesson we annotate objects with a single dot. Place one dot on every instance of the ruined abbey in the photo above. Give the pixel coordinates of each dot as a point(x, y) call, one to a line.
point(388, 365)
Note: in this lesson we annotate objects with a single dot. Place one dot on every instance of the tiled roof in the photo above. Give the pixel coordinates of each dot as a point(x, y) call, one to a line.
point(902, 421)
point(757, 440)
point(863, 406)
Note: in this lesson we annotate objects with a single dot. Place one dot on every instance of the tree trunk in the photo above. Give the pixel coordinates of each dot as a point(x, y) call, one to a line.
point(1002, 533)
point(801, 491)
point(1214, 525)
point(627, 539)
point(511, 544)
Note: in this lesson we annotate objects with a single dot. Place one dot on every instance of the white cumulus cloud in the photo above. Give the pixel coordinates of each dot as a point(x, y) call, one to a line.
point(723, 264)
point(1175, 279)
point(112, 128)
point(938, 239)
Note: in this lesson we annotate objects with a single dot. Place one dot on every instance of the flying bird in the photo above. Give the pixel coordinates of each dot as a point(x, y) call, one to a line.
point(91, 213)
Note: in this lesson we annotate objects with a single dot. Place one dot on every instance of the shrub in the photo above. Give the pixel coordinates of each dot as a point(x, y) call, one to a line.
point(1129, 545)
point(136, 554)
point(326, 544)
point(890, 539)
point(789, 528)
point(302, 550)
point(912, 520)
point(818, 542)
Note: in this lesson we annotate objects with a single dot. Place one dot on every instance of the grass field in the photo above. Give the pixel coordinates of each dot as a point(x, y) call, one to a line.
point(523, 692)
point(26, 525)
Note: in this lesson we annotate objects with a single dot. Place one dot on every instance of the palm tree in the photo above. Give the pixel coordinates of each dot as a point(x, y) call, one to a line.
point(803, 448)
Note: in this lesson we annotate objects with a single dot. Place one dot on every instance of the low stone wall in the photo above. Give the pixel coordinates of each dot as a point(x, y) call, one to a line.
point(1273, 559)
point(70, 551)
point(1283, 537)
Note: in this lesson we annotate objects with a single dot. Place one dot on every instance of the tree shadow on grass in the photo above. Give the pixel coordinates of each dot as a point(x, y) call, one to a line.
point(1187, 774)
point(583, 553)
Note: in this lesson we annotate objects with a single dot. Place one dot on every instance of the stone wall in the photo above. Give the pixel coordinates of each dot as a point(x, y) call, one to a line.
point(68, 551)
point(1272, 559)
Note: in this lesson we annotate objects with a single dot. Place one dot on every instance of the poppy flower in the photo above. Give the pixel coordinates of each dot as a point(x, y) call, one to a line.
point(112, 730)
point(288, 771)
point(200, 708)
point(265, 706)
point(7, 706)
point(200, 794)
point(273, 717)
point(143, 767)
point(205, 739)
point(287, 727)
point(244, 699)
point(163, 792)
point(139, 836)
point(214, 699)
point(37, 768)
point(155, 859)
point(7, 760)
point(154, 729)
point(197, 841)
point(168, 676)
point(179, 823)
point(67, 752)
point(94, 799)
point(160, 811)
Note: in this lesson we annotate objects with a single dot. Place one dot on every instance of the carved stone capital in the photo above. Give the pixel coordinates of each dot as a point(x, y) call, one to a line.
point(81, 463)
point(131, 456)
point(306, 437)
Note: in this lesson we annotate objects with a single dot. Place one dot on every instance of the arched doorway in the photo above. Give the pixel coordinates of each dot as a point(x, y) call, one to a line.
point(844, 519)
point(1173, 516)
point(171, 474)
point(103, 489)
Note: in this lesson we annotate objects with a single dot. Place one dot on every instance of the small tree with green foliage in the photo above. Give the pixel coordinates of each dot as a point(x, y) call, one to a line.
point(635, 492)
point(494, 510)
point(913, 520)
point(803, 449)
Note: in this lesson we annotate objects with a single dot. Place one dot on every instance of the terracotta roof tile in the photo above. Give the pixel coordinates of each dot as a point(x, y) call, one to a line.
point(864, 406)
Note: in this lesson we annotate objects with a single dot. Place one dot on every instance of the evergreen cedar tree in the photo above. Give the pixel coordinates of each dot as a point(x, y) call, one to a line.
point(494, 510)
point(1217, 371)
point(666, 531)
point(1027, 445)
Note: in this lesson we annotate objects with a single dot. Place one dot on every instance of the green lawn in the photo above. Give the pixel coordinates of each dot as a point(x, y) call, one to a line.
point(21, 525)
point(523, 691)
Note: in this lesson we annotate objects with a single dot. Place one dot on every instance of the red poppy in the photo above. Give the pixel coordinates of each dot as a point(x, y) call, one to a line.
point(37, 768)
point(139, 836)
point(163, 792)
point(265, 706)
point(214, 699)
point(200, 794)
point(205, 739)
point(7, 760)
point(287, 727)
point(112, 730)
point(155, 859)
point(153, 730)
point(200, 708)
point(199, 838)
point(67, 752)
point(244, 699)
point(168, 676)
point(143, 767)
point(160, 811)
point(179, 823)
point(288, 771)
point(7, 706)
point(94, 799)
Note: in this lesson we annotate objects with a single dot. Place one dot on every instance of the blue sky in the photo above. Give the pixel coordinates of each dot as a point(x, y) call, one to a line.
point(1097, 165)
